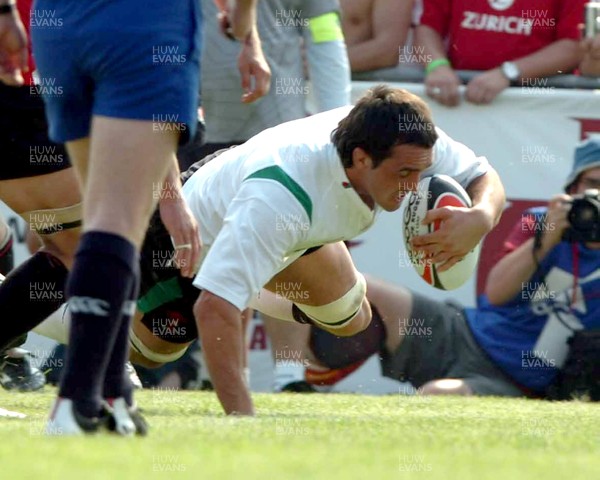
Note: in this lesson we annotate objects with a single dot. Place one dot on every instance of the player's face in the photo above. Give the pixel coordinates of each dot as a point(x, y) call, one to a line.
point(398, 174)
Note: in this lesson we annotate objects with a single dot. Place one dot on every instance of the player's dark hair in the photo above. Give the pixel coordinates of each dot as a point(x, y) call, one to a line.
point(384, 118)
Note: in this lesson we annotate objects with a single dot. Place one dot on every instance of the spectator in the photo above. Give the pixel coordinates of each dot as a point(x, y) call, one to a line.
point(590, 65)
point(375, 30)
point(282, 25)
point(508, 41)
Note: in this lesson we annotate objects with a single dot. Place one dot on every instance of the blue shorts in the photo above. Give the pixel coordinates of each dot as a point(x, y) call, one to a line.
point(131, 59)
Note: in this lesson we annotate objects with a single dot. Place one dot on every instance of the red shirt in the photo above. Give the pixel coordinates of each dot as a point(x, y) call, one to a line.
point(24, 7)
point(482, 34)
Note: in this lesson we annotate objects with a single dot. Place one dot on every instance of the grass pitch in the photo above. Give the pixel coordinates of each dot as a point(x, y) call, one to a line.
point(315, 436)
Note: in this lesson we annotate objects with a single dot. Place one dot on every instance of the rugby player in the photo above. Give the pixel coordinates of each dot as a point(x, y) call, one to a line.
point(107, 116)
point(276, 209)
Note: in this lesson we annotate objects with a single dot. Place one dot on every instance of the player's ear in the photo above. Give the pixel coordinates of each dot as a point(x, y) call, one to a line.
point(361, 159)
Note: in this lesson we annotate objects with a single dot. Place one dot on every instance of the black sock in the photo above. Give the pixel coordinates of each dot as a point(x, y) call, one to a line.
point(7, 261)
point(32, 291)
point(97, 288)
point(117, 382)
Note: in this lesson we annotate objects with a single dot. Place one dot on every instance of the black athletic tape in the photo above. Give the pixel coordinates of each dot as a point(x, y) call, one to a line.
point(302, 317)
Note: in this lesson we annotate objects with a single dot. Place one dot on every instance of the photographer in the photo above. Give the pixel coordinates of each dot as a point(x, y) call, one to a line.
point(538, 318)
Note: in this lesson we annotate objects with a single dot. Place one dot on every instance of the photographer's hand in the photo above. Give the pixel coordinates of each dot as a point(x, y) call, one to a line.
point(555, 224)
point(510, 275)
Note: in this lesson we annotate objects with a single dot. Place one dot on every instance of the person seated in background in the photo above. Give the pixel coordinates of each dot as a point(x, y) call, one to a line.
point(509, 41)
point(375, 30)
point(537, 296)
point(590, 65)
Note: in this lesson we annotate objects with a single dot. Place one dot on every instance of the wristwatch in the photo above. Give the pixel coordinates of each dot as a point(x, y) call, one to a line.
point(510, 71)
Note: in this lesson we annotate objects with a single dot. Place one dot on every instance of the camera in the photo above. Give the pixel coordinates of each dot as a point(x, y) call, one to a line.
point(584, 218)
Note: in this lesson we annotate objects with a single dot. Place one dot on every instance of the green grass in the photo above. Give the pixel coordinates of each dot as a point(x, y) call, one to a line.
point(315, 436)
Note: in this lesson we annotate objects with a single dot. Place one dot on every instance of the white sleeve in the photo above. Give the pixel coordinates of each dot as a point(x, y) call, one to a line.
point(456, 160)
point(262, 226)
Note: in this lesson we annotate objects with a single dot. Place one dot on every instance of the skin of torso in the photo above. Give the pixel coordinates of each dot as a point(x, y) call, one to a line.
point(356, 20)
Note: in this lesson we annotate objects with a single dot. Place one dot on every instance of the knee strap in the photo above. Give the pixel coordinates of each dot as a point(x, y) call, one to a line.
point(336, 314)
point(54, 220)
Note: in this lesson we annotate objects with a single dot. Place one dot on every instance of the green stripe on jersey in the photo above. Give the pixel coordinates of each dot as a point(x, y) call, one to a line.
point(161, 293)
point(276, 173)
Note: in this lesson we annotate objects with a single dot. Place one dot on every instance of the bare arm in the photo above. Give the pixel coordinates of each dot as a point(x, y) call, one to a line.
point(488, 196)
point(240, 16)
point(441, 83)
point(238, 21)
point(179, 222)
point(254, 69)
point(590, 65)
point(220, 328)
point(431, 41)
point(390, 23)
point(562, 56)
point(506, 279)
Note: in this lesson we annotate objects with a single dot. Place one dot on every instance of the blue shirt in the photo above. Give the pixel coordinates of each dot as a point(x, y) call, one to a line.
point(527, 336)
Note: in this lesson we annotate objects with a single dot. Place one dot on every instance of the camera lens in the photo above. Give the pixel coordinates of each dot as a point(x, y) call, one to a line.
point(583, 216)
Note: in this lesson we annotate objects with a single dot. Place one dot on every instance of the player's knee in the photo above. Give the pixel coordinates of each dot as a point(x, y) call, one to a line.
point(345, 316)
point(358, 323)
point(446, 386)
point(155, 353)
point(138, 359)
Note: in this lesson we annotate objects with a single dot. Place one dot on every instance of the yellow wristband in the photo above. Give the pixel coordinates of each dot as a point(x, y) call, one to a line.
point(434, 65)
point(326, 28)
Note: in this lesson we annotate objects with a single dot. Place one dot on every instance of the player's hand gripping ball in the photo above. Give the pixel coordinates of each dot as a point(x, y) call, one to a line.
point(436, 192)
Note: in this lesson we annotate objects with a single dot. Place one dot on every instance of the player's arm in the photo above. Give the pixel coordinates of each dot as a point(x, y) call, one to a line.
point(179, 222)
point(220, 328)
point(13, 44)
point(255, 237)
point(488, 197)
point(462, 228)
point(390, 24)
point(507, 277)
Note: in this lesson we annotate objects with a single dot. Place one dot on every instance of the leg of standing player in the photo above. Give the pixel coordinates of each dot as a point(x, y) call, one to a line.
point(122, 141)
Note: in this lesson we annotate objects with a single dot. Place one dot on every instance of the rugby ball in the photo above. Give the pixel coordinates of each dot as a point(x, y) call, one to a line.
point(436, 192)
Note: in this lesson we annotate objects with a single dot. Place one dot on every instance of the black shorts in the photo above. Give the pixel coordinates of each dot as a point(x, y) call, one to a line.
point(26, 149)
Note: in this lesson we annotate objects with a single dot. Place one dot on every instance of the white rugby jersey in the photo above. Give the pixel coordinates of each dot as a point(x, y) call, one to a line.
point(262, 204)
